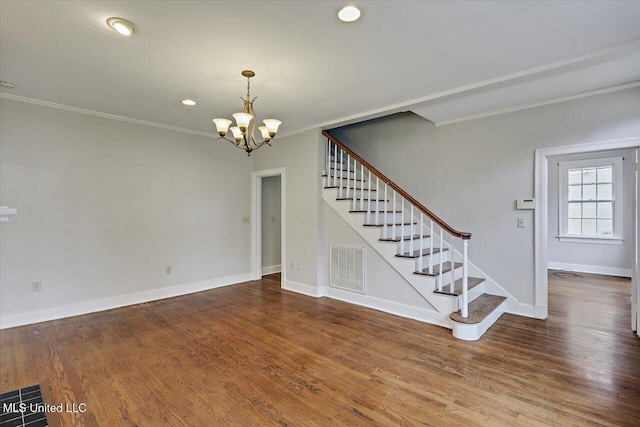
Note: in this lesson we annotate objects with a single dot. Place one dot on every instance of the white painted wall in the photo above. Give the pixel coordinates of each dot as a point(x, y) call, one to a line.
point(471, 173)
point(302, 157)
point(595, 257)
point(271, 229)
point(104, 206)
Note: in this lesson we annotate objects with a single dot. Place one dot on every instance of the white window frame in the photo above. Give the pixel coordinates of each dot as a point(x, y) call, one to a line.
point(563, 217)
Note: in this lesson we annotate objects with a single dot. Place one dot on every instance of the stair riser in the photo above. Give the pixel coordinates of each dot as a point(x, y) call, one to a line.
point(344, 174)
point(374, 205)
point(401, 230)
point(406, 247)
point(381, 218)
point(352, 184)
point(446, 277)
point(359, 193)
point(435, 257)
point(331, 181)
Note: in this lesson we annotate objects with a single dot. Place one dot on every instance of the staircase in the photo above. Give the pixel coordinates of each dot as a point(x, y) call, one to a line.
point(428, 253)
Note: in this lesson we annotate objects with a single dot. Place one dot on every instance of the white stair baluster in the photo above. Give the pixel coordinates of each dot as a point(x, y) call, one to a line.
point(394, 228)
point(348, 177)
point(402, 226)
point(440, 258)
point(385, 228)
point(432, 236)
point(452, 260)
point(369, 221)
point(377, 212)
point(362, 192)
point(335, 164)
point(355, 176)
point(411, 247)
point(340, 192)
point(421, 264)
point(465, 280)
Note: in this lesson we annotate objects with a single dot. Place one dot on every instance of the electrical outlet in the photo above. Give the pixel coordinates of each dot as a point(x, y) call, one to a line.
point(521, 223)
point(245, 219)
point(168, 270)
point(273, 218)
point(298, 266)
point(36, 286)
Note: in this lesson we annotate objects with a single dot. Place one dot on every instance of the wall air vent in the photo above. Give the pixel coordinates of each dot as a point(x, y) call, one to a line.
point(347, 268)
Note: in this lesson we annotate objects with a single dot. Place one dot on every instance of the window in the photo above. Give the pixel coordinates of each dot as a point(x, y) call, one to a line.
point(591, 200)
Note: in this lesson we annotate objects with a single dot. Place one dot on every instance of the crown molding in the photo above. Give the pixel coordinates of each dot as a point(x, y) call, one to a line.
point(104, 115)
point(536, 104)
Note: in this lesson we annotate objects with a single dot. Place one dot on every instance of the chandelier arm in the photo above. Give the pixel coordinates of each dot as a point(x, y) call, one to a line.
point(235, 144)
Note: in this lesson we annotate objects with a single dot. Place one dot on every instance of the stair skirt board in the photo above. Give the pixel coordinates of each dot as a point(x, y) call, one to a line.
point(397, 309)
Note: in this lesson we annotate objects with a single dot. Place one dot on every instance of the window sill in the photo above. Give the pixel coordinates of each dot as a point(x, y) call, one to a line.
point(596, 240)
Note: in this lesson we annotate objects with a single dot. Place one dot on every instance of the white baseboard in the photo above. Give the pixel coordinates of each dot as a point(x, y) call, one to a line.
point(271, 269)
point(397, 309)
point(520, 309)
point(93, 306)
point(301, 288)
point(595, 269)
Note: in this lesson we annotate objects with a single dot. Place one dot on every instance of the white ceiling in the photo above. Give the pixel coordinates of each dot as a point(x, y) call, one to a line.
point(443, 60)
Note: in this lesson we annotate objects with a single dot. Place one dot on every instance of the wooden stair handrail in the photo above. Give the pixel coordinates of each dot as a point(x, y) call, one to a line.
point(463, 235)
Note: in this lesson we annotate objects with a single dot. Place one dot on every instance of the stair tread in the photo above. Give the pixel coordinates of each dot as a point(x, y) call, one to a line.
point(446, 267)
point(398, 239)
point(366, 200)
point(417, 253)
point(479, 309)
point(457, 287)
point(366, 211)
point(360, 189)
point(398, 224)
point(344, 177)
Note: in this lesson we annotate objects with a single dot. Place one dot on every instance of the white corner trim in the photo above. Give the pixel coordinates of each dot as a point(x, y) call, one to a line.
point(397, 309)
point(271, 269)
point(109, 303)
point(104, 115)
point(301, 288)
point(520, 107)
point(594, 269)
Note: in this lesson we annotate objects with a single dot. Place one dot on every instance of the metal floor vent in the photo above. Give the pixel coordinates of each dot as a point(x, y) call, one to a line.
point(347, 268)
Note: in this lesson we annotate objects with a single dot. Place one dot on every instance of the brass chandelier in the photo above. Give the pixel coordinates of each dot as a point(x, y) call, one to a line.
point(243, 132)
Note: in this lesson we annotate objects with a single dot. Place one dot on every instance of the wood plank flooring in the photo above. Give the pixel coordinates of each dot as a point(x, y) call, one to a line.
point(252, 354)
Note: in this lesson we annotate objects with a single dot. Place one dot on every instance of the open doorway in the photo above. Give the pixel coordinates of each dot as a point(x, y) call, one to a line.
point(552, 238)
point(271, 234)
point(268, 249)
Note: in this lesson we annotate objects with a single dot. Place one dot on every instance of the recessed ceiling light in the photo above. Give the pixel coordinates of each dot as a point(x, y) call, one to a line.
point(189, 102)
point(122, 26)
point(349, 14)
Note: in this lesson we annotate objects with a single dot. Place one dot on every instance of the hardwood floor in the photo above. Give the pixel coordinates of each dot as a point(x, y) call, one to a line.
point(252, 354)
